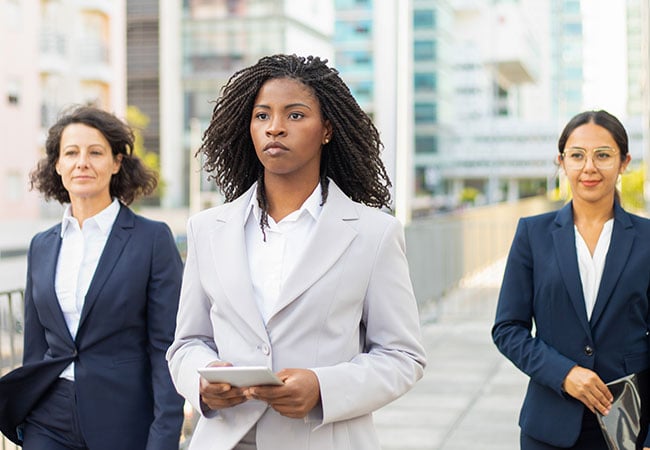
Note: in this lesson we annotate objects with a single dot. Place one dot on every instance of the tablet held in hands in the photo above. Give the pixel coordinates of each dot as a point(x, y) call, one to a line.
point(240, 376)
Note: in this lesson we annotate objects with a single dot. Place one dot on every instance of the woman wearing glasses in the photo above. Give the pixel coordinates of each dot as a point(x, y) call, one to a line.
point(581, 275)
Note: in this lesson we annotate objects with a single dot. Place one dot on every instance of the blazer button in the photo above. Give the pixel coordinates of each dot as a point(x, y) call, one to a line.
point(588, 350)
point(265, 349)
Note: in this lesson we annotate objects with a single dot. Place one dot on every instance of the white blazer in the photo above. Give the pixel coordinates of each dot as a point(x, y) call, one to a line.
point(347, 312)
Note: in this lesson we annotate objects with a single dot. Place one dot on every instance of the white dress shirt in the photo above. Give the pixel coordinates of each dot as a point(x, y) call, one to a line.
point(80, 251)
point(591, 267)
point(271, 261)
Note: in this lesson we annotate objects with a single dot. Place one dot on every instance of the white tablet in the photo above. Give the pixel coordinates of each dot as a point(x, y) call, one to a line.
point(240, 376)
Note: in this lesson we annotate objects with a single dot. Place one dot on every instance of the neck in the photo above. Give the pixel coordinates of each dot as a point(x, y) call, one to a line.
point(286, 196)
point(593, 213)
point(85, 208)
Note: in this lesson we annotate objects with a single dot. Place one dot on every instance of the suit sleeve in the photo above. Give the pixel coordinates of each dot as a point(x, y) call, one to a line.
point(34, 343)
point(394, 358)
point(193, 344)
point(514, 317)
point(162, 304)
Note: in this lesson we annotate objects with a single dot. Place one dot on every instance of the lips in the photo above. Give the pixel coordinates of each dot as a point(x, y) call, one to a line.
point(590, 183)
point(274, 148)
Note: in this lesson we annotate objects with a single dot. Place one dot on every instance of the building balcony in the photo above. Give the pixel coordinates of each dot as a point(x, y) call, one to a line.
point(53, 48)
point(101, 6)
point(511, 49)
point(94, 61)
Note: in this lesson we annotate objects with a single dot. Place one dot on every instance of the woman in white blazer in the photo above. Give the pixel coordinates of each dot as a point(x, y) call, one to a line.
point(299, 271)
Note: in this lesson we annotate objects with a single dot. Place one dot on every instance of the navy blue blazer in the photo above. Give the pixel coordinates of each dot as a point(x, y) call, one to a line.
point(541, 285)
point(125, 395)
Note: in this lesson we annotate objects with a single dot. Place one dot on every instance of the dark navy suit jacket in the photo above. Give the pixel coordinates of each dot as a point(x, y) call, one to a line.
point(542, 285)
point(125, 395)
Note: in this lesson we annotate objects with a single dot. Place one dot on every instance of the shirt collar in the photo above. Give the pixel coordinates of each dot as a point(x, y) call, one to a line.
point(312, 205)
point(104, 219)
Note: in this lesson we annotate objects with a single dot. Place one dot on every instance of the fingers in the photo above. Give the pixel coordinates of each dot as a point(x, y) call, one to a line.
point(220, 395)
point(295, 398)
point(586, 386)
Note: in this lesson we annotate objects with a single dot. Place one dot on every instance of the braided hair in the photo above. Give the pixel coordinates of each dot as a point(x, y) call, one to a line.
point(351, 158)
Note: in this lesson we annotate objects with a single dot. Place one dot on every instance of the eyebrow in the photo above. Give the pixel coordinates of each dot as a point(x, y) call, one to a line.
point(289, 106)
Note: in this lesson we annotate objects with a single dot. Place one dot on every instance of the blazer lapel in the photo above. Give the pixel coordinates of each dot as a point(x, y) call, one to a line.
point(117, 240)
point(233, 270)
point(45, 270)
point(332, 235)
point(617, 255)
point(565, 252)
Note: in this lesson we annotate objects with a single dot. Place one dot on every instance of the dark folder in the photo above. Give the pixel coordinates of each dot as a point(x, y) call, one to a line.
point(622, 425)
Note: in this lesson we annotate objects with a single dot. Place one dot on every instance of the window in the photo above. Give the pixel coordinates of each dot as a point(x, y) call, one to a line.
point(424, 51)
point(425, 113)
point(426, 144)
point(423, 18)
point(425, 82)
point(13, 92)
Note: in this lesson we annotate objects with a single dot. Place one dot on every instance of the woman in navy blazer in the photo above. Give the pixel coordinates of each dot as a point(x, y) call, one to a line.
point(105, 301)
point(581, 277)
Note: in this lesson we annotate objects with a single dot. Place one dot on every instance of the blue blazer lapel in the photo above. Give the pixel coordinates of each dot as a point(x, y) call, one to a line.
point(117, 240)
point(567, 260)
point(45, 269)
point(619, 251)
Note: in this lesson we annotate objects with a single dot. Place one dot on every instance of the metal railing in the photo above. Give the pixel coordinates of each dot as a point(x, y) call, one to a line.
point(441, 251)
point(11, 339)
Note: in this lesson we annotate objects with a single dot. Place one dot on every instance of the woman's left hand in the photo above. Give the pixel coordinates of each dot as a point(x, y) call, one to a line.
point(295, 398)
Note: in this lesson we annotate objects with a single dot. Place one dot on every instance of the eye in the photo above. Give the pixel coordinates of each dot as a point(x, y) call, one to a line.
point(575, 155)
point(603, 154)
point(296, 116)
point(261, 116)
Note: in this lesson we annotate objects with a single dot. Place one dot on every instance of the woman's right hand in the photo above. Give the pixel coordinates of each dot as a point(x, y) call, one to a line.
point(586, 386)
point(220, 395)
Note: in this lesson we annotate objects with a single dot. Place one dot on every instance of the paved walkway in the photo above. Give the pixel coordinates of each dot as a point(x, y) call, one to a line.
point(470, 395)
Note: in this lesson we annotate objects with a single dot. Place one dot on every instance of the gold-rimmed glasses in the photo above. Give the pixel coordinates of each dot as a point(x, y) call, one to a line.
point(603, 158)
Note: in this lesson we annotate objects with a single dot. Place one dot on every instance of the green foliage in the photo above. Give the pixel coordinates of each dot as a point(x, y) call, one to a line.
point(468, 195)
point(139, 122)
point(632, 197)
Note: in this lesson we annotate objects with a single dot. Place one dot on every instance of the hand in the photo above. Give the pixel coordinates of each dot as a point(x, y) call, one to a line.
point(220, 395)
point(586, 386)
point(295, 398)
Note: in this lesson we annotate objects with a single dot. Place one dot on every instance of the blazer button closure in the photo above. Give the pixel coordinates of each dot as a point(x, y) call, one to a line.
point(588, 350)
point(265, 349)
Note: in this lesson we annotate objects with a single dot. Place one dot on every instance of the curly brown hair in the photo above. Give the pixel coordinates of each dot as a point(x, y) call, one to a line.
point(133, 180)
point(351, 158)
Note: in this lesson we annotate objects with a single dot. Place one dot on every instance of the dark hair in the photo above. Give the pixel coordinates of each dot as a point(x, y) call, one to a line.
point(133, 180)
point(601, 118)
point(350, 158)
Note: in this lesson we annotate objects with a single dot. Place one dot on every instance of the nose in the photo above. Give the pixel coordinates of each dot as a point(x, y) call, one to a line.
point(275, 127)
point(589, 163)
point(82, 160)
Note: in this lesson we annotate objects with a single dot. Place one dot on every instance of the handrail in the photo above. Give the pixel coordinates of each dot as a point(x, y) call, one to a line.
point(11, 338)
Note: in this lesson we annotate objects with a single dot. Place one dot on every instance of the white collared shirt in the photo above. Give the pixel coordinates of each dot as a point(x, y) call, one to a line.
point(80, 251)
point(591, 267)
point(271, 261)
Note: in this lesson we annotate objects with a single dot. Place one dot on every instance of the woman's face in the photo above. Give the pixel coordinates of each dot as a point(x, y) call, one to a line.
point(86, 163)
point(596, 180)
point(288, 130)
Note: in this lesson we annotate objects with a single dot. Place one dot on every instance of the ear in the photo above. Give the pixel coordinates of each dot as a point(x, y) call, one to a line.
point(117, 163)
point(625, 163)
point(327, 135)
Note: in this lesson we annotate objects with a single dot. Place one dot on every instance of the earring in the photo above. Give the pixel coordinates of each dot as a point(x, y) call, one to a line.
point(327, 141)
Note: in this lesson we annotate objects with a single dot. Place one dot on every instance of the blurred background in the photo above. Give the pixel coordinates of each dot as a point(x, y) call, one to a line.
point(469, 97)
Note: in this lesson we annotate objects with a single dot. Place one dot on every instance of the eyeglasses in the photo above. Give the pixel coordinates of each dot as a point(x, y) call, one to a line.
point(575, 158)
